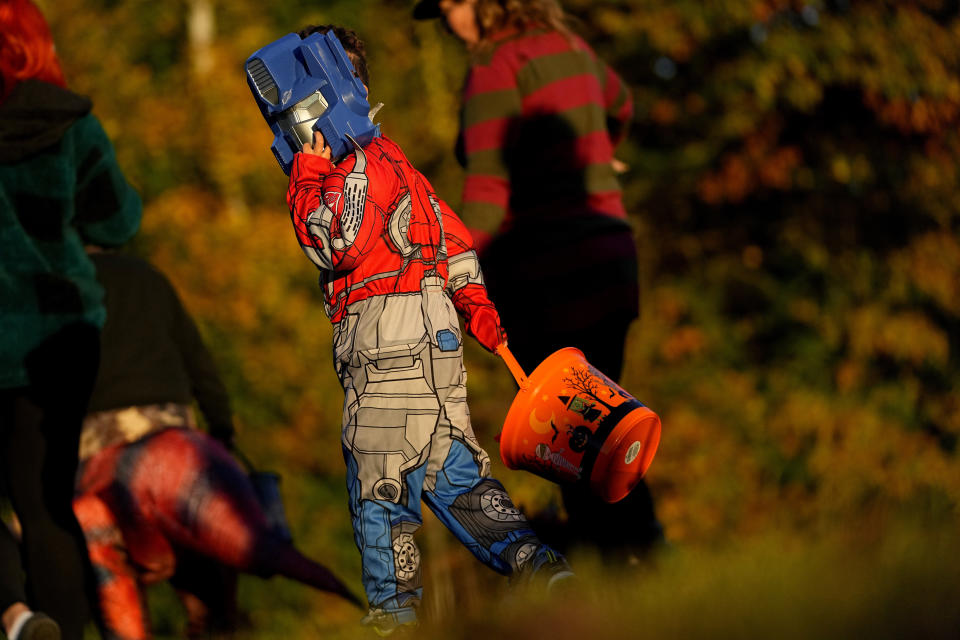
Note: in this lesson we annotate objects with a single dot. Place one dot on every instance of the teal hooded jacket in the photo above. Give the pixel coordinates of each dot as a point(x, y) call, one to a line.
point(60, 188)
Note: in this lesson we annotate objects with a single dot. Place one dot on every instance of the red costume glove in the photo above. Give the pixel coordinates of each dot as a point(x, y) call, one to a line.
point(482, 319)
point(484, 325)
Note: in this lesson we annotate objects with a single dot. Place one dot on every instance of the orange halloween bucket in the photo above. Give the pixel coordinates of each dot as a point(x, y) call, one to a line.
point(570, 423)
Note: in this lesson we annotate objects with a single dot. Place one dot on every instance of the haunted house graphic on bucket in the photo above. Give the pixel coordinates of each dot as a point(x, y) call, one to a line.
point(574, 424)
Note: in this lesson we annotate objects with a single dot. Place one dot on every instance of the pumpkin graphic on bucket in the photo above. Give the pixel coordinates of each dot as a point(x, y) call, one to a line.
point(571, 423)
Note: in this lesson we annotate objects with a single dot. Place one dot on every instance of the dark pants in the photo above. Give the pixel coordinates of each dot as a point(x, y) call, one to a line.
point(39, 437)
point(575, 285)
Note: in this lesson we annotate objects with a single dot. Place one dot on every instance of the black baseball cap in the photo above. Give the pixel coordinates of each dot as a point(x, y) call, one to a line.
point(427, 10)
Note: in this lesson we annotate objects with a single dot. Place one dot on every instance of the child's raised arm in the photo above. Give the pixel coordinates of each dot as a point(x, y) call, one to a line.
point(328, 206)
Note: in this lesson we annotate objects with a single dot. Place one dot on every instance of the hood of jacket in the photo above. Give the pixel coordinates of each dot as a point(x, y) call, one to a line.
point(35, 116)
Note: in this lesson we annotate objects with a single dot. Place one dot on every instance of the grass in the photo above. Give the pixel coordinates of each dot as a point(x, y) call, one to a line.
point(852, 582)
point(905, 585)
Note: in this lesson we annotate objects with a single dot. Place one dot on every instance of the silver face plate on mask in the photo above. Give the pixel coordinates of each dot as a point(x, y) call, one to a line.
point(299, 118)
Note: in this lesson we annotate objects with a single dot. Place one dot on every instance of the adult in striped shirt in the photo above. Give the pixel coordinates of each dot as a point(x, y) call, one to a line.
point(540, 120)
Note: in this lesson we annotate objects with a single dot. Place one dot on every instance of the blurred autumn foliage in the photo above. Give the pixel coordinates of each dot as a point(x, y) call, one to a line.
point(795, 171)
point(793, 183)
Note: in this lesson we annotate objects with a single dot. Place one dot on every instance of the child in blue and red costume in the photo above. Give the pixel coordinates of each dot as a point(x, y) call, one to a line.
point(397, 266)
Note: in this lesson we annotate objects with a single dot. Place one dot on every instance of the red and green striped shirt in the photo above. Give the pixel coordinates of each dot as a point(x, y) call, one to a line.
point(541, 117)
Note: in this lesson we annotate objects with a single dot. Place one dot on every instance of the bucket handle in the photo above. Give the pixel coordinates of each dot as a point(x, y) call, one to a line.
point(513, 365)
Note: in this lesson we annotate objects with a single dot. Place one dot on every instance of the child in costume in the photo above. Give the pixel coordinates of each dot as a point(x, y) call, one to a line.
point(157, 499)
point(397, 265)
point(174, 505)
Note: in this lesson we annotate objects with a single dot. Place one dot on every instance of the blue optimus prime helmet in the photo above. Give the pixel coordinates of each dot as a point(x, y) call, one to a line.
point(306, 85)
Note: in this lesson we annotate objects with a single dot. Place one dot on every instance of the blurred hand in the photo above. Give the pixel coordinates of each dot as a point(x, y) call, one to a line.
point(619, 166)
point(318, 148)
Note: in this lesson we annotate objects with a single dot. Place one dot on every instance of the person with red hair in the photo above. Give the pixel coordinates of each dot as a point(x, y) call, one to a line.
point(28, 52)
point(60, 187)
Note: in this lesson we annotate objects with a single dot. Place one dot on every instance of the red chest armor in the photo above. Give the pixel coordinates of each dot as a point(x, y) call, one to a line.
point(372, 224)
